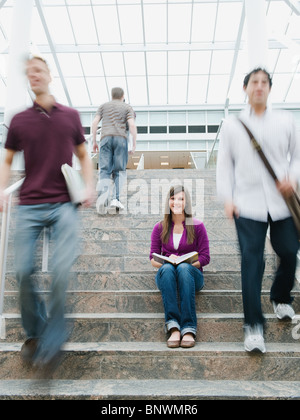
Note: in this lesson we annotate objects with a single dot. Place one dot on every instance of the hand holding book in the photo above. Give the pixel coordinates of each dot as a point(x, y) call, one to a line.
point(189, 258)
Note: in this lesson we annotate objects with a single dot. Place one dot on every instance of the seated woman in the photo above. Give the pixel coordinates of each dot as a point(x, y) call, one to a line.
point(176, 235)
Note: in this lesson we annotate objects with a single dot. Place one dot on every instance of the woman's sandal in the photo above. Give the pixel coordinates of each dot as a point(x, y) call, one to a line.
point(188, 343)
point(173, 344)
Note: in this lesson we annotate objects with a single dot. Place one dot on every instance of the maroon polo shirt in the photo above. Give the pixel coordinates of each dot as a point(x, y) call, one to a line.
point(48, 141)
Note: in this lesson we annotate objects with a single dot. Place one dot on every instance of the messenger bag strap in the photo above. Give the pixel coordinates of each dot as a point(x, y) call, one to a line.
point(257, 147)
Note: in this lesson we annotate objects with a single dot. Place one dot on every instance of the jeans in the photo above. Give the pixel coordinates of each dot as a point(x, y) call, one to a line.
point(113, 162)
point(31, 219)
point(186, 280)
point(284, 240)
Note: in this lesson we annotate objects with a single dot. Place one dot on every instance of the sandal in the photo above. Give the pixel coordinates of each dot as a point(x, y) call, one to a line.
point(173, 344)
point(188, 343)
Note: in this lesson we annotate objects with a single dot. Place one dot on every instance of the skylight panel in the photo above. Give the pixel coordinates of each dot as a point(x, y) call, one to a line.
point(157, 63)
point(222, 62)
point(83, 25)
point(158, 90)
point(200, 62)
point(280, 86)
point(197, 89)
point(107, 24)
point(155, 17)
point(98, 90)
point(113, 64)
point(218, 86)
point(92, 64)
point(137, 87)
point(177, 89)
point(135, 63)
point(70, 65)
point(178, 62)
point(204, 16)
point(228, 21)
point(78, 91)
point(179, 22)
point(131, 24)
point(59, 25)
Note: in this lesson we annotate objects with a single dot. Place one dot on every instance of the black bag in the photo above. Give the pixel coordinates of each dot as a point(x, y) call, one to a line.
point(293, 201)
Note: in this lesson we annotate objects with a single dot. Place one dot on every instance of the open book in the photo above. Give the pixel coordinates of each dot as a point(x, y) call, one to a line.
point(75, 184)
point(189, 258)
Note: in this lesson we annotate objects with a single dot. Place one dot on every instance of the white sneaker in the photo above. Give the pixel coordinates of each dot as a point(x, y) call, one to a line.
point(101, 205)
point(283, 311)
point(116, 203)
point(254, 340)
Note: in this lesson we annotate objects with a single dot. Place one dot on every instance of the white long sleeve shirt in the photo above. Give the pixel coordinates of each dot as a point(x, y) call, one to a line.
point(242, 177)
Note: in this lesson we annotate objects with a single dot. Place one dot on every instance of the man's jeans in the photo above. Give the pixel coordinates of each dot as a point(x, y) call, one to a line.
point(113, 162)
point(31, 219)
point(186, 280)
point(284, 240)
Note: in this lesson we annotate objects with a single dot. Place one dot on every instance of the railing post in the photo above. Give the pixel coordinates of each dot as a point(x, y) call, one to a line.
point(3, 256)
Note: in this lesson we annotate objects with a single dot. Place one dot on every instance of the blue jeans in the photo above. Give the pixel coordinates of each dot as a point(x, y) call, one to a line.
point(284, 240)
point(186, 280)
point(31, 219)
point(113, 158)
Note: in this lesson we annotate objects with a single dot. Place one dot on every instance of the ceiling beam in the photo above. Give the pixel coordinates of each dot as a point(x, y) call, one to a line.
point(294, 5)
point(204, 46)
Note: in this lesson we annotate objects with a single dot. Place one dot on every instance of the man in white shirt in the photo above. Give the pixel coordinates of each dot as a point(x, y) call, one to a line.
point(252, 198)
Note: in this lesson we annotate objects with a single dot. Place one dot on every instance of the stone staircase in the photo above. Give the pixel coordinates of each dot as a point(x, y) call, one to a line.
point(117, 346)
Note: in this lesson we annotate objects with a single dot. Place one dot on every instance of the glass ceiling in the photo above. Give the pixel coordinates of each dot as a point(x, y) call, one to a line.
point(162, 52)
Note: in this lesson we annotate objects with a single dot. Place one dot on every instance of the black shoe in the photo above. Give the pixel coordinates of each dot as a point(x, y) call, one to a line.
point(28, 349)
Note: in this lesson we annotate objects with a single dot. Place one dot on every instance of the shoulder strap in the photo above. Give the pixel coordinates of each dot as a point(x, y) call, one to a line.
point(259, 150)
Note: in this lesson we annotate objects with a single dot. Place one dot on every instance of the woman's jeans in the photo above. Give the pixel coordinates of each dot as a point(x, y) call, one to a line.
point(113, 158)
point(284, 240)
point(184, 280)
point(31, 219)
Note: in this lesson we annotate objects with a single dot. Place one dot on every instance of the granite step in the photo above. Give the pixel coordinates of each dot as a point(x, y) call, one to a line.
point(109, 281)
point(115, 393)
point(135, 361)
point(148, 327)
point(147, 301)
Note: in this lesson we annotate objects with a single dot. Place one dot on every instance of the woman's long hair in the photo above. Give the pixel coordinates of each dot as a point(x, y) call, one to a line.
point(167, 221)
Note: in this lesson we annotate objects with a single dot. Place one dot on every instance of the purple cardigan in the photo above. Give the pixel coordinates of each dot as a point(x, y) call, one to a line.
point(200, 244)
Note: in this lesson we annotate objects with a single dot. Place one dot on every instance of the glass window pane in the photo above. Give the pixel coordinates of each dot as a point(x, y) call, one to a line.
point(113, 64)
point(197, 89)
point(107, 24)
point(204, 16)
point(177, 90)
point(158, 90)
point(155, 18)
point(138, 90)
point(178, 62)
point(142, 118)
point(157, 63)
point(83, 25)
point(92, 64)
point(177, 118)
point(179, 22)
point(131, 24)
point(227, 28)
point(135, 63)
point(98, 90)
point(70, 65)
point(59, 25)
point(78, 92)
point(196, 118)
point(158, 118)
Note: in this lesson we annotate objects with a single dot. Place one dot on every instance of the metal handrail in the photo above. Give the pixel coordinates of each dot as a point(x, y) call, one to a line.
point(4, 245)
point(215, 142)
